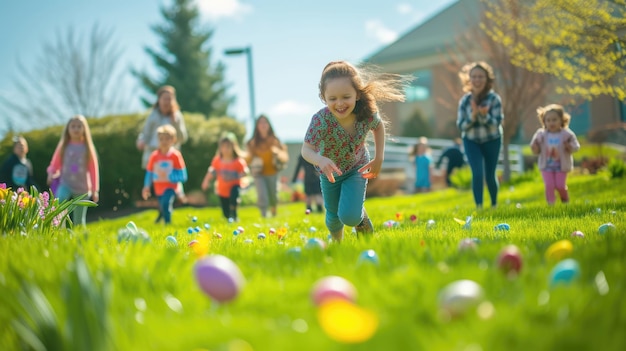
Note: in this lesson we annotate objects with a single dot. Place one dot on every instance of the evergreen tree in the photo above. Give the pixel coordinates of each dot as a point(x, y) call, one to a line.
point(184, 63)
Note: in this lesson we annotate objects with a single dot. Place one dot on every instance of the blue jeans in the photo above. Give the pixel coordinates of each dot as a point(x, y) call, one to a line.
point(79, 213)
point(483, 160)
point(344, 199)
point(166, 204)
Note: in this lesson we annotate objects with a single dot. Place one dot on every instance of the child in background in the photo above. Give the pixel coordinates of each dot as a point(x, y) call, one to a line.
point(312, 188)
point(17, 170)
point(75, 164)
point(165, 169)
point(554, 143)
point(229, 167)
point(335, 140)
point(422, 159)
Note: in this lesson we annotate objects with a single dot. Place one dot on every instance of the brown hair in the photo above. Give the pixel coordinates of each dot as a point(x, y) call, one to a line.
point(371, 86)
point(257, 139)
point(231, 139)
point(464, 75)
point(167, 129)
point(168, 89)
point(65, 139)
point(558, 109)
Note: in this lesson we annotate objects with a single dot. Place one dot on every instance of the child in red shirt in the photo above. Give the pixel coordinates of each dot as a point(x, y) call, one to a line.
point(165, 169)
point(229, 167)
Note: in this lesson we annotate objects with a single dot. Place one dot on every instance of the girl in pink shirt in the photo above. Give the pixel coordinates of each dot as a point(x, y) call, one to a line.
point(554, 143)
point(75, 164)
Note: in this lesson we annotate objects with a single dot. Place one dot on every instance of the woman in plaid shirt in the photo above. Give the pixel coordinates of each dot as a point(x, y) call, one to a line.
point(480, 121)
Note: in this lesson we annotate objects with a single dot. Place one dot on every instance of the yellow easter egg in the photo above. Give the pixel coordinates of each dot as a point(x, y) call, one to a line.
point(559, 250)
point(345, 322)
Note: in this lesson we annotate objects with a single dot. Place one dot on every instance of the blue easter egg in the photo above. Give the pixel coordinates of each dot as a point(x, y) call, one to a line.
point(606, 228)
point(207, 226)
point(171, 240)
point(315, 243)
point(369, 257)
point(194, 219)
point(294, 252)
point(190, 230)
point(235, 232)
point(565, 272)
point(312, 229)
point(261, 236)
point(196, 229)
point(502, 226)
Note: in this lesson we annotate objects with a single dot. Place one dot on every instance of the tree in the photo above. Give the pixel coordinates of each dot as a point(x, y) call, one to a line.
point(184, 63)
point(581, 42)
point(521, 90)
point(416, 126)
point(70, 77)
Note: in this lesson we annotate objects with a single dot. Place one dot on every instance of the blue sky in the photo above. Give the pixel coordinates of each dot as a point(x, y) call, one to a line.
point(291, 42)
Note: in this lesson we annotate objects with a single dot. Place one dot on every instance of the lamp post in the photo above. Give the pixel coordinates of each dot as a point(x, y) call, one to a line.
point(248, 51)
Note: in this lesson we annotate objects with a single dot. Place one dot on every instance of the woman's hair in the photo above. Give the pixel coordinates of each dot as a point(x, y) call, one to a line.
point(256, 136)
point(558, 109)
point(465, 72)
point(371, 86)
point(168, 89)
point(65, 138)
point(231, 139)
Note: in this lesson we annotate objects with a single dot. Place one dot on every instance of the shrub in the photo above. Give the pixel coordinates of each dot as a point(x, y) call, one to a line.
point(462, 178)
point(121, 176)
point(616, 168)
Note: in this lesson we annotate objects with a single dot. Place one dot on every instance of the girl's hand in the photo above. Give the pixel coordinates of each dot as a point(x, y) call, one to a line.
point(535, 147)
point(205, 182)
point(328, 167)
point(371, 169)
point(145, 192)
point(140, 145)
point(567, 146)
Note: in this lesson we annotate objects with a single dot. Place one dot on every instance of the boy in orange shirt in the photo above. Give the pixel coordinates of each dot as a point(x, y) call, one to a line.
point(165, 169)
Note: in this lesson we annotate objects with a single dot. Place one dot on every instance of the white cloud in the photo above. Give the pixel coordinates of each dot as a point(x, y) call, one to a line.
point(404, 8)
point(216, 9)
point(377, 30)
point(290, 119)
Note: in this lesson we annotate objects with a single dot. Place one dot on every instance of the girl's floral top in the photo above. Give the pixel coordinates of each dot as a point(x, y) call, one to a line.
point(332, 141)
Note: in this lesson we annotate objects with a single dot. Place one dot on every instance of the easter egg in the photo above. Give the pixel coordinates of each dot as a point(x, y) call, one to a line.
point(467, 244)
point(502, 226)
point(194, 219)
point(559, 250)
point(510, 259)
point(413, 218)
point(390, 223)
point(248, 241)
point(261, 236)
point(171, 240)
point(459, 296)
point(219, 277)
point(189, 230)
point(606, 228)
point(308, 211)
point(368, 257)
point(240, 229)
point(578, 233)
point(333, 287)
point(564, 272)
point(430, 223)
point(192, 243)
point(315, 243)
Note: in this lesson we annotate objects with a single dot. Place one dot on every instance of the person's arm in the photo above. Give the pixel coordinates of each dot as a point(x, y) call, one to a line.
point(494, 115)
point(54, 168)
point(146, 133)
point(208, 177)
point(179, 173)
point(374, 166)
point(181, 128)
point(463, 120)
point(94, 176)
point(148, 179)
point(571, 144)
point(326, 165)
point(535, 142)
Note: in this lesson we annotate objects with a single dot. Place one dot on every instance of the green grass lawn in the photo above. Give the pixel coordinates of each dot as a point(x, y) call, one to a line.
point(83, 290)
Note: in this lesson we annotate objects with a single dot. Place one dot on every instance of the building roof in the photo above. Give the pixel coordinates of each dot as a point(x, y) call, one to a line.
point(432, 35)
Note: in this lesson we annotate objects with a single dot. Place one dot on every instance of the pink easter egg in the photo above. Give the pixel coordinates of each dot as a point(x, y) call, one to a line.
point(219, 277)
point(510, 259)
point(578, 233)
point(333, 287)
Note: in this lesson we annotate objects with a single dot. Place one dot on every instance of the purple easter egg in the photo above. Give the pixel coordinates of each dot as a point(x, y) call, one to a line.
point(219, 277)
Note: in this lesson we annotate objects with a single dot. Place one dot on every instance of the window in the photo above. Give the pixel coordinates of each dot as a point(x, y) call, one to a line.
point(420, 88)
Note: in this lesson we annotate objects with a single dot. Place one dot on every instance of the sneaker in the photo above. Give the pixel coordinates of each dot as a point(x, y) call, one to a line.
point(338, 235)
point(365, 227)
